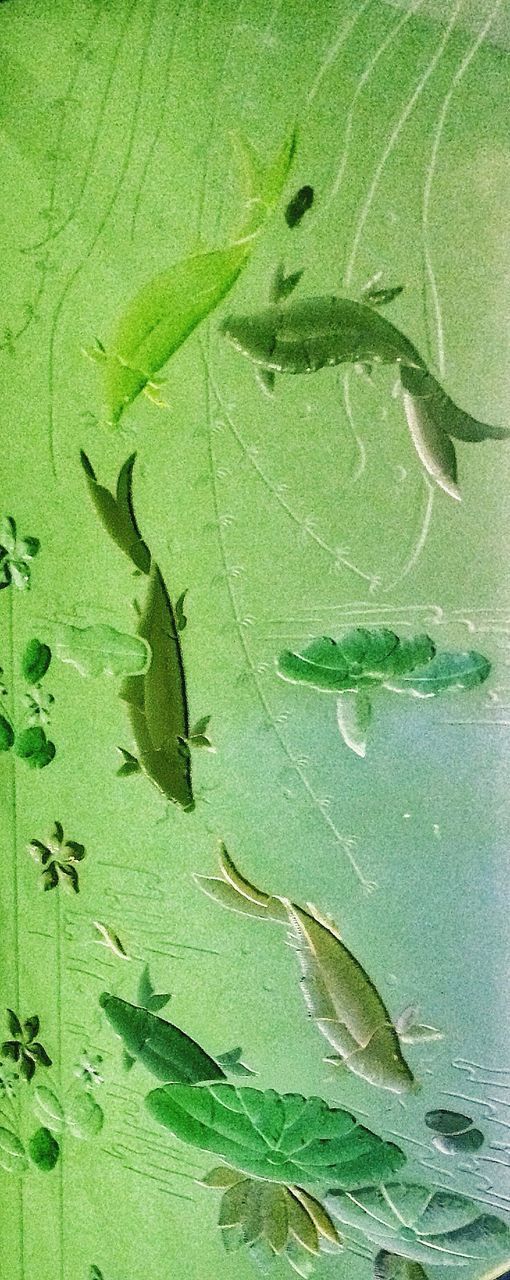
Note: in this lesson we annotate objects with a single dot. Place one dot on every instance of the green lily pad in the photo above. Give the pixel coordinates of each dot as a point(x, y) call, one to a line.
point(439, 1228)
point(282, 1137)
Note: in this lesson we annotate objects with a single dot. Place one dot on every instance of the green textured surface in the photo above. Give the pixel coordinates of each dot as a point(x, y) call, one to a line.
point(285, 519)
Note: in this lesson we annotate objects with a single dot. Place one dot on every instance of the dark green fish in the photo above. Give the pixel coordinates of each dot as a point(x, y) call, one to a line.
point(313, 333)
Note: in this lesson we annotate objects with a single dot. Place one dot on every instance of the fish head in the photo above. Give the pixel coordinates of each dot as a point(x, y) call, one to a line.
point(255, 335)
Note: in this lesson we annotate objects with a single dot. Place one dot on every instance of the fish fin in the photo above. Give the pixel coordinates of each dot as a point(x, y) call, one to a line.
point(232, 1061)
point(434, 448)
point(419, 1033)
point(406, 1018)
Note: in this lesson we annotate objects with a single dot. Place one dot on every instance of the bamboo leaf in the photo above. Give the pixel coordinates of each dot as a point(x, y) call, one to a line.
point(169, 307)
point(159, 319)
point(101, 650)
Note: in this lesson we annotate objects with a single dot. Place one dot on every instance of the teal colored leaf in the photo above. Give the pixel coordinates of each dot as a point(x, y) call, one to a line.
point(12, 1152)
point(83, 1115)
point(157, 701)
point(162, 1048)
point(439, 1228)
point(48, 1108)
point(117, 513)
point(101, 650)
point(36, 660)
point(43, 1150)
point(445, 671)
point(354, 714)
point(6, 734)
point(360, 658)
point(285, 1138)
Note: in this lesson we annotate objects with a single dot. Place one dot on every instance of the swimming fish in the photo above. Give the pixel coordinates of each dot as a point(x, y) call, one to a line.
point(339, 994)
point(309, 334)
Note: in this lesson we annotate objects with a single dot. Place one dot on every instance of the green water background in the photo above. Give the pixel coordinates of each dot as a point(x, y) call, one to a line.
point(117, 117)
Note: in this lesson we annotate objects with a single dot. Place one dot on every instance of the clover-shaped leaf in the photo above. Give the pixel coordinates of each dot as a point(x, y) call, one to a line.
point(58, 859)
point(16, 555)
point(23, 1048)
point(34, 747)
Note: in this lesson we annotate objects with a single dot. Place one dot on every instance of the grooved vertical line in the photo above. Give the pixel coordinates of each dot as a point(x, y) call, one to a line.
point(15, 892)
point(58, 961)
